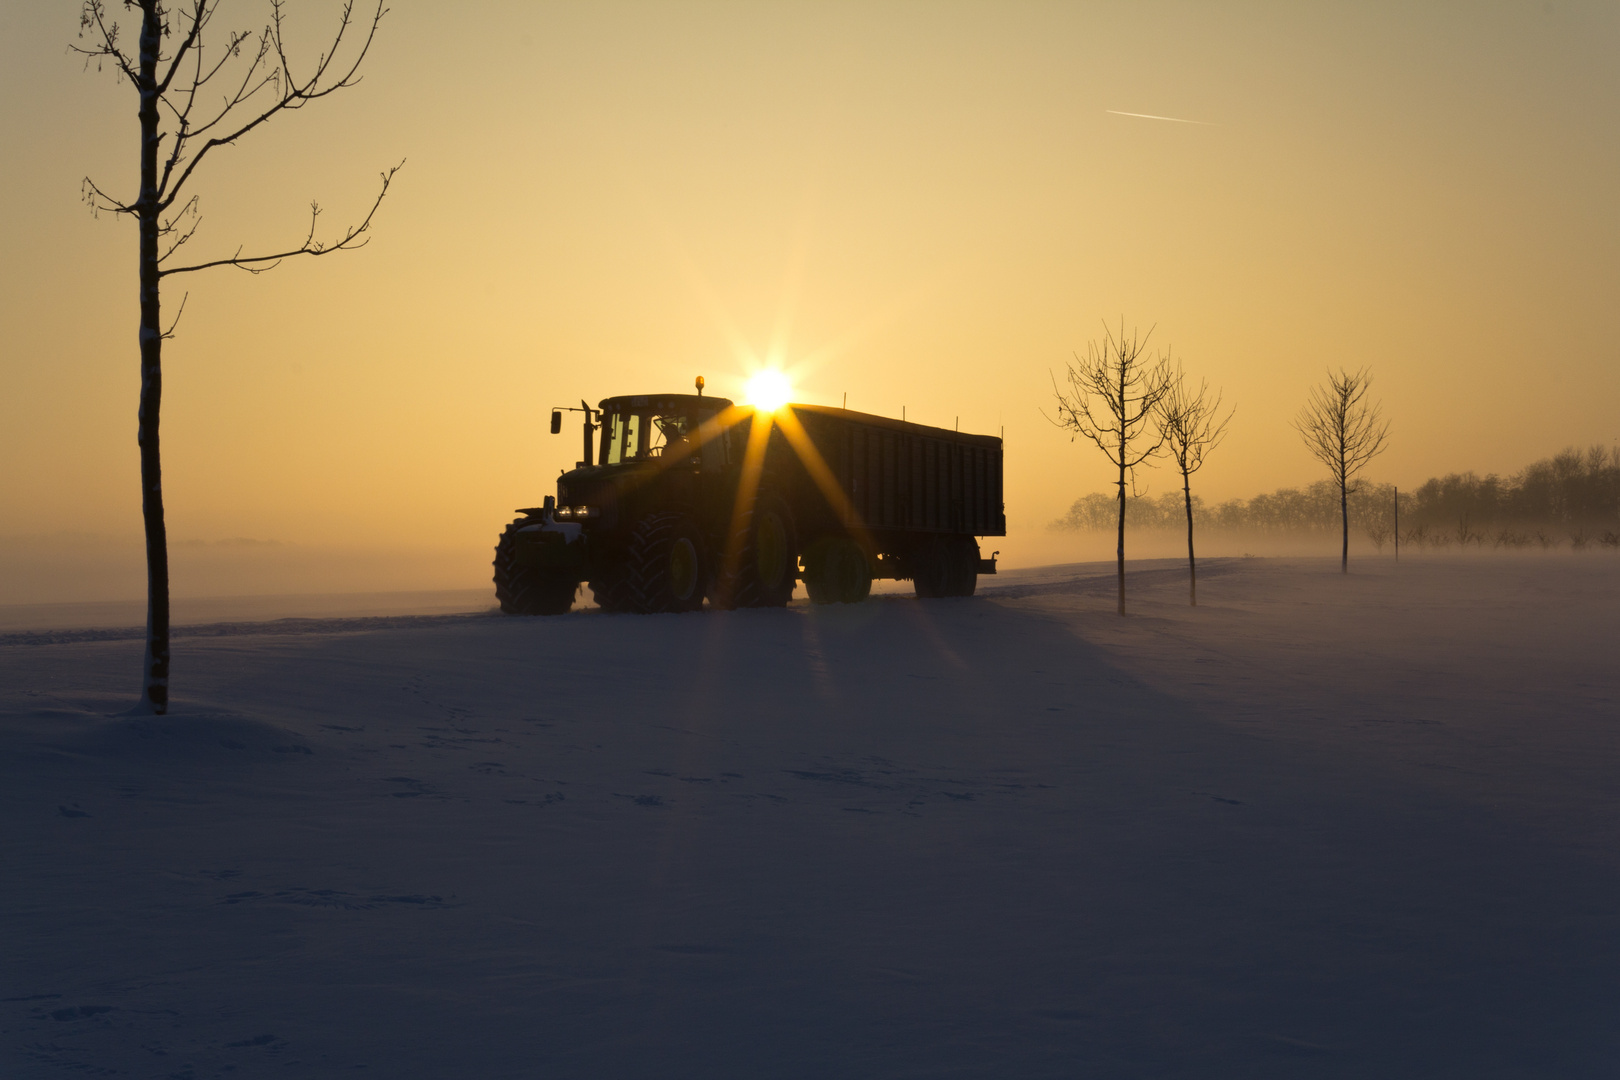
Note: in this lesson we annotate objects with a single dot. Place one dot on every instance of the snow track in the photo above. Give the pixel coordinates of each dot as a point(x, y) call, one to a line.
point(1323, 826)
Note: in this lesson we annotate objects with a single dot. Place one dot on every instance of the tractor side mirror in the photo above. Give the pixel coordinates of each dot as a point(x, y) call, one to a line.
point(556, 421)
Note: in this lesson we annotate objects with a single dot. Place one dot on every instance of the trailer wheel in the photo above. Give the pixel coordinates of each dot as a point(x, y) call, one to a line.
point(838, 572)
point(761, 561)
point(931, 569)
point(665, 565)
point(964, 565)
point(523, 590)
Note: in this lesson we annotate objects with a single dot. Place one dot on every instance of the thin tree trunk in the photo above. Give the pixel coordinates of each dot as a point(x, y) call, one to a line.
point(1397, 524)
point(155, 680)
point(1344, 517)
point(1122, 460)
point(1192, 565)
point(1121, 548)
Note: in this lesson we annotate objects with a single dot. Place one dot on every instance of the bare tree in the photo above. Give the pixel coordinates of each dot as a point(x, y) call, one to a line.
point(1191, 427)
point(182, 119)
point(1112, 395)
point(1344, 432)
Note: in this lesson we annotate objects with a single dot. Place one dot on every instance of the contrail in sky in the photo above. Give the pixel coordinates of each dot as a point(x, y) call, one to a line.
point(1150, 116)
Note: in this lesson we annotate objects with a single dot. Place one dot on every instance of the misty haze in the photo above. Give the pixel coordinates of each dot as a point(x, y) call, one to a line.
point(719, 540)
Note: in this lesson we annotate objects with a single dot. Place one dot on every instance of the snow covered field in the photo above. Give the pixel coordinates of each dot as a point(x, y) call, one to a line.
point(1319, 826)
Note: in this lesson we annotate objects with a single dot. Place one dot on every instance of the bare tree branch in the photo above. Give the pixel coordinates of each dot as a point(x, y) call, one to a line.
point(94, 14)
point(99, 200)
point(199, 18)
point(1190, 422)
point(351, 240)
point(165, 228)
point(1343, 432)
point(1192, 427)
point(170, 85)
point(169, 333)
point(1113, 394)
point(294, 95)
point(247, 89)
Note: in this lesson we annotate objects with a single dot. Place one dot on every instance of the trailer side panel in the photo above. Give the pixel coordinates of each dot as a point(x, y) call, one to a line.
point(901, 477)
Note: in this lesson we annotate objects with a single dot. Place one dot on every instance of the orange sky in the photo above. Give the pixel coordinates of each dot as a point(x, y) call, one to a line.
point(925, 205)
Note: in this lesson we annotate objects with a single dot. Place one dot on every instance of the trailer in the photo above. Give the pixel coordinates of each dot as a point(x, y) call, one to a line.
point(680, 499)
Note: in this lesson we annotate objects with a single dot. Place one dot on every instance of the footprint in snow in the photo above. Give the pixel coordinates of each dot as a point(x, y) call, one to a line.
point(257, 1040)
point(336, 899)
point(80, 1012)
point(544, 800)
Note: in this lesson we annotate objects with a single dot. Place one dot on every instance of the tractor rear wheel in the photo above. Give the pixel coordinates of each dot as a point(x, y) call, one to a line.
point(523, 589)
point(665, 566)
point(761, 561)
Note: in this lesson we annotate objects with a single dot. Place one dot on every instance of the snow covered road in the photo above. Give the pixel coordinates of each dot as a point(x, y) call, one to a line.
point(1316, 827)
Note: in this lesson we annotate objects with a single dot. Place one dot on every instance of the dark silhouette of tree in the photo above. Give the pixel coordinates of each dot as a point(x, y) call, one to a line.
point(1113, 393)
point(1099, 511)
point(1344, 432)
point(1287, 511)
point(182, 119)
point(1575, 491)
point(1192, 427)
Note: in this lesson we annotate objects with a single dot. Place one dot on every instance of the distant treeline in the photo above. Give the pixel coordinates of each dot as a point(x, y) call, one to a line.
point(1574, 495)
point(1289, 510)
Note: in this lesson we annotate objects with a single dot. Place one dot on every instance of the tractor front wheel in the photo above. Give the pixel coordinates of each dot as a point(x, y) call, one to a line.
point(523, 589)
point(760, 566)
point(666, 565)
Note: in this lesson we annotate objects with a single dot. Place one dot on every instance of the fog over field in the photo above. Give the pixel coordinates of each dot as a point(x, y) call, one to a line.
point(1327, 825)
point(81, 568)
point(929, 210)
point(1323, 824)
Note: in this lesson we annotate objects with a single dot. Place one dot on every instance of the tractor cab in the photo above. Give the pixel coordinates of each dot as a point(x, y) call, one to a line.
point(641, 450)
point(667, 428)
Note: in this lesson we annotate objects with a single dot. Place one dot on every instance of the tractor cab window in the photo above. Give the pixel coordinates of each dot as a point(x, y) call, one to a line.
point(624, 437)
point(632, 436)
point(670, 437)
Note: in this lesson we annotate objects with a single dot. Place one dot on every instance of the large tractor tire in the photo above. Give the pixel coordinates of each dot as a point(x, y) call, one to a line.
point(524, 590)
point(665, 566)
point(964, 565)
point(760, 565)
point(837, 571)
point(931, 568)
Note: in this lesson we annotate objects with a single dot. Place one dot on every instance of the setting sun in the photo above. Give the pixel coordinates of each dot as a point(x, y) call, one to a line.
point(1112, 486)
point(768, 390)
